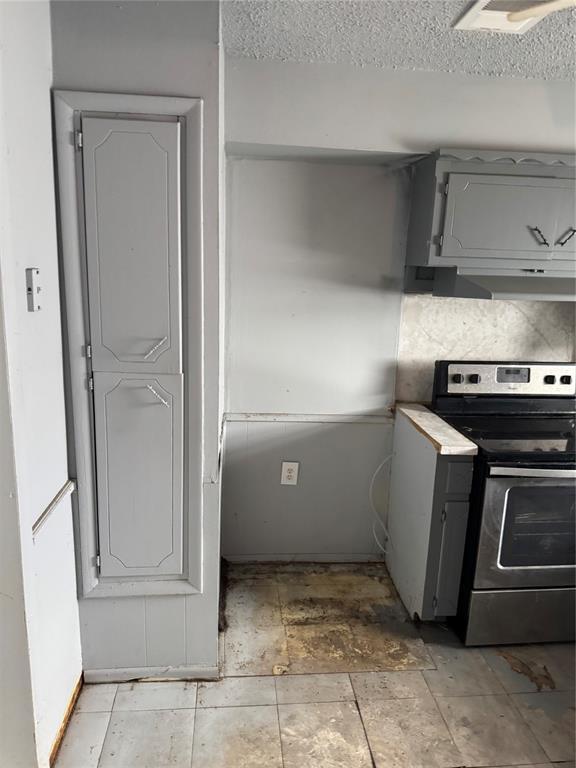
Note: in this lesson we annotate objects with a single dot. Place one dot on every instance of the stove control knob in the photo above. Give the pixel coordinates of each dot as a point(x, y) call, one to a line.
point(565, 379)
point(457, 378)
point(549, 379)
point(474, 378)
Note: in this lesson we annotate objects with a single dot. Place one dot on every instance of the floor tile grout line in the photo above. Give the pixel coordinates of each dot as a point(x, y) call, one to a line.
point(279, 726)
point(194, 731)
point(160, 709)
point(363, 724)
point(527, 724)
point(439, 710)
point(107, 726)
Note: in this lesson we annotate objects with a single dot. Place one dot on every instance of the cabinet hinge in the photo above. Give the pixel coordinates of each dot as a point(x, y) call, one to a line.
point(441, 240)
point(98, 562)
point(445, 189)
point(91, 384)
point(88, 350)
point(443, 516)
point(79, 138)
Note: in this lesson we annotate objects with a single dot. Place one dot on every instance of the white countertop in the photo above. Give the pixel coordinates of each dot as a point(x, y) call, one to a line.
point(447, 440)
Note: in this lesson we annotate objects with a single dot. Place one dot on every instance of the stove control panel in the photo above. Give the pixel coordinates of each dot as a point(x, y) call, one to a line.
point(534, 379)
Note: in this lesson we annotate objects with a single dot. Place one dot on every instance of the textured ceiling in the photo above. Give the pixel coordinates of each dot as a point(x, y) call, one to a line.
point(396, 34)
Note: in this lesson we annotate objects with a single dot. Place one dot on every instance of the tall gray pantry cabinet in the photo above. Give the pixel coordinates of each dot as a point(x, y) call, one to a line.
point(130, 195)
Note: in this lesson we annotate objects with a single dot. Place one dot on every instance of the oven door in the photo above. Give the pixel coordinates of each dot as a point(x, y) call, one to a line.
point(527, 535)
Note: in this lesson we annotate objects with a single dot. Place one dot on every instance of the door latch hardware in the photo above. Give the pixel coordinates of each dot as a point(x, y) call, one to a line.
point(97, 558)
point(88, 351)
point(91, 384)
point(33, 288)
point(79, 139)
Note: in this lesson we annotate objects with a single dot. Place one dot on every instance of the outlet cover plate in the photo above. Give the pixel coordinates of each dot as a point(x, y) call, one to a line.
point(289, 474)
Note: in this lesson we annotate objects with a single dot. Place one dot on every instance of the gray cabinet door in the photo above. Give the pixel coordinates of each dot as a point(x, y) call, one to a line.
point(138, 421)
point(454, 524)
point(132, 211)
point(503, 217)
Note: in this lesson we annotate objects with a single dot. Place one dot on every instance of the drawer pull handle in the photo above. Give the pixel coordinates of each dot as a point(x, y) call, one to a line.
point(158, 396)
point(539, 236)
point(566, 236)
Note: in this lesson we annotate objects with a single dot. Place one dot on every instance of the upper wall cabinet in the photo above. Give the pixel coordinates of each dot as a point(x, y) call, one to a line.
point(489, 213)
point(506, 218)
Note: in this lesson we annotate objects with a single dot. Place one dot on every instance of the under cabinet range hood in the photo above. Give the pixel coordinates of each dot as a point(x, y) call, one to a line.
point(538, 287)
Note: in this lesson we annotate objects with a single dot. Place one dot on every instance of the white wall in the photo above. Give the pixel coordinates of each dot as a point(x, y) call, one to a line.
point(436, 328)
point(34, 360)
point(365, 108)
point(315, 266)
point(315, 276)
point(159, 48)
point(17, 744)
point(329, 515)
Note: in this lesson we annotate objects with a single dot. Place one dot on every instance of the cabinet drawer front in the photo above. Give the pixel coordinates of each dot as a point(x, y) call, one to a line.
point(132, 209)
point(139, 473)
point(503, 217)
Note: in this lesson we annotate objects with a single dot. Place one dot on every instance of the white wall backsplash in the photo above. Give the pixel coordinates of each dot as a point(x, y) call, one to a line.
point(434, 328)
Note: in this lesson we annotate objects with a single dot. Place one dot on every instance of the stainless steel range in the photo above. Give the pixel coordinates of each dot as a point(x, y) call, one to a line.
point(519, 562)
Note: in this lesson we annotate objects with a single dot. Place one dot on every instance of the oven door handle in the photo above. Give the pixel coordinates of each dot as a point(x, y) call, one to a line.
point(534, 472)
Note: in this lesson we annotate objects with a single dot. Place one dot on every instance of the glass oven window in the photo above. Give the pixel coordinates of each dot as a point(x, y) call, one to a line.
point(538, 527)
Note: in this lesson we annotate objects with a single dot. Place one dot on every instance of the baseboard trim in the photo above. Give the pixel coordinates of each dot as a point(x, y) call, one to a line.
point(315, 418)
point(66, 719)
point(126, 674)
point(306, 558)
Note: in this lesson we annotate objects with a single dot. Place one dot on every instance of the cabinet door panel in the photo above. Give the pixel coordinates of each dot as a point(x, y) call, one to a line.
point(132, 205)
point(454, 524)
point(139, 473)
point(502, 217)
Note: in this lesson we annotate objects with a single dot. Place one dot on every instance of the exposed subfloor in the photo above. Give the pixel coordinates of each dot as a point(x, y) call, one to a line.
point(323, 669)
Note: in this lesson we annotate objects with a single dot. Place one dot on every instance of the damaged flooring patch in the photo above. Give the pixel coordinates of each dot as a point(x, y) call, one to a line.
point(540, 676)
point(323, 669)
point(301, 619)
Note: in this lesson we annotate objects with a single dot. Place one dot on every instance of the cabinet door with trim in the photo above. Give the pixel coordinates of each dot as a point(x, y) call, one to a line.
point(453, 537)
point(502, 217)
point(132, 215)
point(138, 421)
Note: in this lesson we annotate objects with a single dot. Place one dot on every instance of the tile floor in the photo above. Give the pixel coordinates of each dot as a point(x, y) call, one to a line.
point(323, 669)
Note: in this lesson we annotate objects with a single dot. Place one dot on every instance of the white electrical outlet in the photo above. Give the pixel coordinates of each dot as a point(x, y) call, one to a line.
point(289, 474)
